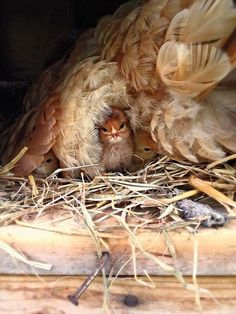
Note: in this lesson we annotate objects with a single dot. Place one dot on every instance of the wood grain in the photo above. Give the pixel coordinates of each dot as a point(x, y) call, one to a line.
point(76, 254)
point(48, 295)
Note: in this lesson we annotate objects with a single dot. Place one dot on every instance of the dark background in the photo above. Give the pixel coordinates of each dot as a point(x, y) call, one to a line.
point(36, 33)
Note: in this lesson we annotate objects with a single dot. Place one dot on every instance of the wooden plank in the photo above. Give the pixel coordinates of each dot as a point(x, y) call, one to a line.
point(48, 295)
point(76, 254)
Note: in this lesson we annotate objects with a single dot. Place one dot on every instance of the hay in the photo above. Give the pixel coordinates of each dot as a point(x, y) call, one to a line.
point(147, 196)
point(121, 203)
point(19, 256)
point(140, 200)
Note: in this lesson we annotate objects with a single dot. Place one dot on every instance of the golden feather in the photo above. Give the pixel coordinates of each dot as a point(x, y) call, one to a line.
point(191, 69)
point(157, 62)
point(205, 21)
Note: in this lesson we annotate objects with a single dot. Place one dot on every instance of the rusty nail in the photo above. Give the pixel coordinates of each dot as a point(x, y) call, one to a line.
point(75, 296)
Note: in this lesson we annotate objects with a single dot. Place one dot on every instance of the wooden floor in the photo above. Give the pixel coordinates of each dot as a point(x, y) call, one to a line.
point(76, 254)
point(73, 256)
point(48, 295)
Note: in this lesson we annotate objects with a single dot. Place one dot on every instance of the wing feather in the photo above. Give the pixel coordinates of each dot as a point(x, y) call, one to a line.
point(205, 21)
point(191, 69)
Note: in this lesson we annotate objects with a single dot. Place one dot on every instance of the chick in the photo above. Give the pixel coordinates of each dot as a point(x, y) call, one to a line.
point(48, 166)
point(117, 142)
point(145, 149)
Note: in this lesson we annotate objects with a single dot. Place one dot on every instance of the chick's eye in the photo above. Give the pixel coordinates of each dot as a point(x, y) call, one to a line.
point(147, 149)
point(104, 129)
point(122, 125)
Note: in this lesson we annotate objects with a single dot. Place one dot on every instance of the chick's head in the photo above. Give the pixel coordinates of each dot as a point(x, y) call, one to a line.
point(145, 148)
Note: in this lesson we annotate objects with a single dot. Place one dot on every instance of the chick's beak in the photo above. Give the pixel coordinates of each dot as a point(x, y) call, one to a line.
point(114, 133)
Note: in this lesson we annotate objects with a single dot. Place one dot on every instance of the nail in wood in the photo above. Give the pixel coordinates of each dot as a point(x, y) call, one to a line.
point(75, 296)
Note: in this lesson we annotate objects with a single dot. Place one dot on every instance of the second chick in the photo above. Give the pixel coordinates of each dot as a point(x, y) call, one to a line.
point(145, 150)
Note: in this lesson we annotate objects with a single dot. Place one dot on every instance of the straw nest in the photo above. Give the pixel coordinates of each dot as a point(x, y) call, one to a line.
point(115, 203)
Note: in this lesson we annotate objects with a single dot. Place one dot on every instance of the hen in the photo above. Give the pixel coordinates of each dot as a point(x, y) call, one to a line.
point(162, 62)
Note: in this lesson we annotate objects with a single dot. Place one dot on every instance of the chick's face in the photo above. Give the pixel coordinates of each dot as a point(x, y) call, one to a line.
point(145, 147)
point(115, 129)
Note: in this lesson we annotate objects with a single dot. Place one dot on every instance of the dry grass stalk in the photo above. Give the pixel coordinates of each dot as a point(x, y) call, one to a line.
point(118, 205)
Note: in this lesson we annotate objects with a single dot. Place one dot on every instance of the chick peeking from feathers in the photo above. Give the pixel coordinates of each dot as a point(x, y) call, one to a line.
point(164, 62)
point(145, 149)
point(48, 166)
point(116, 137)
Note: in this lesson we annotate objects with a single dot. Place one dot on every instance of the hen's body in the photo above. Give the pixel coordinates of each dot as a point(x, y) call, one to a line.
point(161, 61)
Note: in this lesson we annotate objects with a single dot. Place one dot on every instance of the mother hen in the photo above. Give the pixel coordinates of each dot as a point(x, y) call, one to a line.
point(161, 62)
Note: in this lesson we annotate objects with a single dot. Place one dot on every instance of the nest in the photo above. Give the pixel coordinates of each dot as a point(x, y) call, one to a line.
point(120, 203)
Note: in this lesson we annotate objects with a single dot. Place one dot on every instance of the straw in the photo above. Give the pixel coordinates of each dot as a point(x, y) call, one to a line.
point(117, 206)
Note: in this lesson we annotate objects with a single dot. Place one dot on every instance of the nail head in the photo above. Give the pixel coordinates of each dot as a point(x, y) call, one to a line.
point(130, 300)
point(73, 299)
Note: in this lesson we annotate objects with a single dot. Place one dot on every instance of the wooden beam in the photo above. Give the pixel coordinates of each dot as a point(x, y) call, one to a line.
point(48, 295)
point(76, 254)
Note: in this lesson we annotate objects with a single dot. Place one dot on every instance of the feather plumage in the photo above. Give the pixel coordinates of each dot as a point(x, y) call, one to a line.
point(198, 131)
point(160, 62)
point(205, 21)
point(191, 69)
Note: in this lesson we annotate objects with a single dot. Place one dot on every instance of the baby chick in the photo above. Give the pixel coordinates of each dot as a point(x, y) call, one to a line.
point(48, 166)
point(145, 149)
point(117, 142)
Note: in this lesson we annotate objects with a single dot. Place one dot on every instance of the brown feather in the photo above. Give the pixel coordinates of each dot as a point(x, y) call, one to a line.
point(153, 61)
